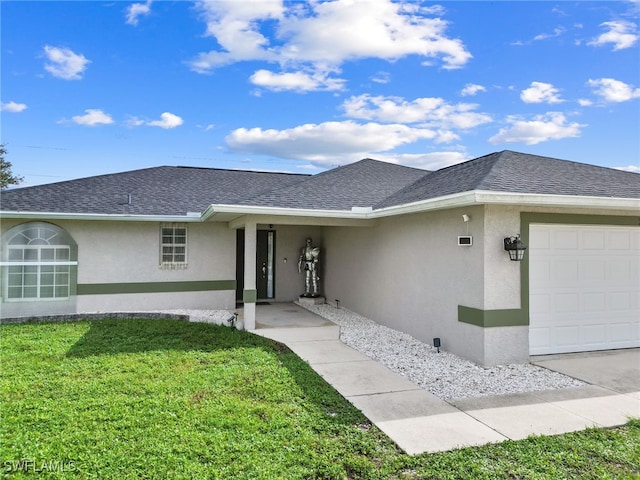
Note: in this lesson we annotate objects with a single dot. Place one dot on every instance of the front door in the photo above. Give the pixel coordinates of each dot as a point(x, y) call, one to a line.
point(265, 265)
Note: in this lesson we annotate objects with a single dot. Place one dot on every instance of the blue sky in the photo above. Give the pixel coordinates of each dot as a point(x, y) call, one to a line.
point(100, 87)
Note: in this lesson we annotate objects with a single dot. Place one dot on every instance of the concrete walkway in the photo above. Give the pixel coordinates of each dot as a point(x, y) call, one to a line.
point(419, 422)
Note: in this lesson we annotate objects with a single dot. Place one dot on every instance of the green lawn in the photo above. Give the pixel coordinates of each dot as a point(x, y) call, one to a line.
point(166, 399)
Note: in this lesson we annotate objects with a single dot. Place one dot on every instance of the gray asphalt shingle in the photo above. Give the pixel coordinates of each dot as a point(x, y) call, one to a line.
point(154, 191)
point(361, 184)
point(515, 172)
point(367, 183)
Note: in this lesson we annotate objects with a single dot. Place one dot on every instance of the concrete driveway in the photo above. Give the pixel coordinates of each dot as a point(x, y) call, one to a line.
point(617, 370)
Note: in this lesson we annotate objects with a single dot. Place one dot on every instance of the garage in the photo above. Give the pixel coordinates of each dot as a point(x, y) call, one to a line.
point(584, 288)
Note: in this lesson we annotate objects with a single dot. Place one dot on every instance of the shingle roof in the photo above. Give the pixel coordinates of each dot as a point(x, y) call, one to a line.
point(367, 183)
point(154, 191)
point(361, 184)
point(515, 172)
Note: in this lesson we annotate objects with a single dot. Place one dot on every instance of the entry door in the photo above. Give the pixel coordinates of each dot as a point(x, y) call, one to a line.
point(265, 264)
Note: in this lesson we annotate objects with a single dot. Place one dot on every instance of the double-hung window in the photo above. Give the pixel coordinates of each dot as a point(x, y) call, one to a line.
point(173, 245)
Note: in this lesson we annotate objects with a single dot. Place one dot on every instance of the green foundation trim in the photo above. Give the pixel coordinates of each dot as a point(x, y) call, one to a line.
point(492, 318)
point(249, 296)
point(155, 287)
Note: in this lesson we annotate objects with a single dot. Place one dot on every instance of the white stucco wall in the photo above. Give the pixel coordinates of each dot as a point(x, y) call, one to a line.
point(119, 252)
point(409, 273)
point(503, 281)
point(128, 252)
point(501, 276)
point(406, 272)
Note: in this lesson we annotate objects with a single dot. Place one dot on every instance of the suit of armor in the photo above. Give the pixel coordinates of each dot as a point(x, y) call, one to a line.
point(308, 262)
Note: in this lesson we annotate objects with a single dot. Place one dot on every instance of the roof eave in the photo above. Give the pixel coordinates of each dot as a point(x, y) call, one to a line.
point(224, 212)
point(480, 197)
point(190, 217)
point(356, 213)
point(549, 200)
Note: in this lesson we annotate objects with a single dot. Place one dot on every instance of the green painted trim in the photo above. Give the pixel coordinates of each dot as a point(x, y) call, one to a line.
point(249, 296)
point(492, 318)
point(154, 287)
point(528, 218)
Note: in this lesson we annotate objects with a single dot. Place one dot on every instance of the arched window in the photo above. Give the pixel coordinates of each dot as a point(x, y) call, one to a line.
point(39, 263)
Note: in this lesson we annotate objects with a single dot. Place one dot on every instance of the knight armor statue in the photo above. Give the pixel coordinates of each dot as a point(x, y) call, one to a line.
point(308, 262)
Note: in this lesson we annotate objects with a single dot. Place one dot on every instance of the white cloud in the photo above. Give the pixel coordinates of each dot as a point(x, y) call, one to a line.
point(556, 33)
point(551, 126)
point(471, 89)
point(133, 121)
point(584, 102)
point(381, 77)
point(427, 161)
point(621, 34)
point(167, 120)
point(349, 141)
point(321, 36)
point(345, 30)
point(13, 107)
point(64, 63)
point(92, 118)
point(296, 81)
point(630, 168)
point(612, 90)
point(435, 112)
point(235, 26)
point(540, 92)
point(136, 10)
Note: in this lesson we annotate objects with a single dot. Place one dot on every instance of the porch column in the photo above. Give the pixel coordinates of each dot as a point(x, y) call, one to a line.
point(250, 294)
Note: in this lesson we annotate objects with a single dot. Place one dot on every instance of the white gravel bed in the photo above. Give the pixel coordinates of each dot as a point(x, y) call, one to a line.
point(445, 375)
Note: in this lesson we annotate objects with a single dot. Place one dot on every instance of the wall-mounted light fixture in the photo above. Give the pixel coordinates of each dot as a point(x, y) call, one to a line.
point(515, 247)
point(466, 240)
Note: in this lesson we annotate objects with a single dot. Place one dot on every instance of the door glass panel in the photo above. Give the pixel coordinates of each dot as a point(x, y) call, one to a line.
point(270, 248)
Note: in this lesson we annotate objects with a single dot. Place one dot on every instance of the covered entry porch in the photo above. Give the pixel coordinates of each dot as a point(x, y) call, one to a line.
point(267, 251)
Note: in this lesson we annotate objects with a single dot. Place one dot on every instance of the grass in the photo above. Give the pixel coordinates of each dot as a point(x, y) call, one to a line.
point(166, 399)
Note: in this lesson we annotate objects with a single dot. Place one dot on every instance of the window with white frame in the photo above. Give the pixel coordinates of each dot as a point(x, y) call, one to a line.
point(39, 263)
point(173, 245)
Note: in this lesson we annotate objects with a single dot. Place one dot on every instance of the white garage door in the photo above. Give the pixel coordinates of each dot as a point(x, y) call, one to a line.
point(584, 286)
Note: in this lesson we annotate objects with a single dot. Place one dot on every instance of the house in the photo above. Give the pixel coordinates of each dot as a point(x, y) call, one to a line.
point(422, 252)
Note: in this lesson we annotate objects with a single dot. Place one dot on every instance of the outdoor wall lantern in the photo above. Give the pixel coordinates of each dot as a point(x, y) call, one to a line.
point(515, 247)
